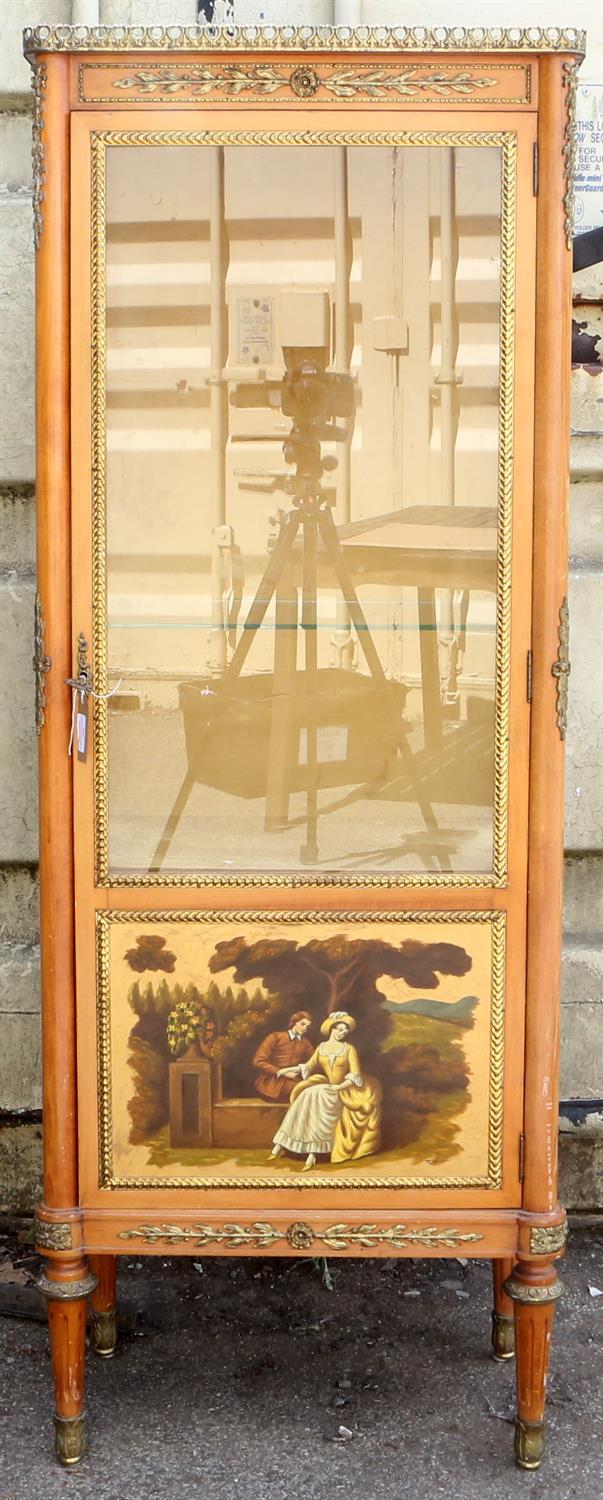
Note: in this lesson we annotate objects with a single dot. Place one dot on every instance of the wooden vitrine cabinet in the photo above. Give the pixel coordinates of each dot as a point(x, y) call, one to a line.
point(301, 655)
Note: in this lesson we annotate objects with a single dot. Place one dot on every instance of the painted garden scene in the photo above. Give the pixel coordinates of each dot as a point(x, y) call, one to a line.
point(277, 1049)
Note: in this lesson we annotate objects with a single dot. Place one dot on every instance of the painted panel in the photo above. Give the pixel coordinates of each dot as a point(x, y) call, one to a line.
point(348, 1049)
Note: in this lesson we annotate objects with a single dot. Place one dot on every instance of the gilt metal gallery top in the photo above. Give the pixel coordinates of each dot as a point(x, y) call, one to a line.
point(536, 39)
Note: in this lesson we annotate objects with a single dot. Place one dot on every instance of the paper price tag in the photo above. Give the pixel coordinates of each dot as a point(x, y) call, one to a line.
point(81, 730)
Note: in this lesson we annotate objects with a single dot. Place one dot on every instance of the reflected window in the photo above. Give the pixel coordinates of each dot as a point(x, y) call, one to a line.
point(302, 477)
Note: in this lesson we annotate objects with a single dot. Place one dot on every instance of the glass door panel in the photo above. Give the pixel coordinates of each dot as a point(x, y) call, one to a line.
point(303, 409)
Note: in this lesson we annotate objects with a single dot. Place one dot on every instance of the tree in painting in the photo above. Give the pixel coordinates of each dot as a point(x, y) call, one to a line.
point(341, 973)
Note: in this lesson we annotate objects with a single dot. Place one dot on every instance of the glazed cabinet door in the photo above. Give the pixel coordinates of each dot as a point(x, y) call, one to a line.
point(302, 481)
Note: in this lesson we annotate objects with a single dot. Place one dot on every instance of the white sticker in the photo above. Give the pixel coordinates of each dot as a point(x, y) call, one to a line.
point(331, 744)
point(81, 729)
point(254, 329)
point(588, 211)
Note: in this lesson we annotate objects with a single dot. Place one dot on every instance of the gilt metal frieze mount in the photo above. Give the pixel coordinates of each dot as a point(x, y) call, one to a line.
point(300, 1236)
point(38, 156)
point(52, 1235)
point(532, 39)
point(570, 148)
point(328, 83)
point(41, 664)
point(548, 1238)
point(561, 669)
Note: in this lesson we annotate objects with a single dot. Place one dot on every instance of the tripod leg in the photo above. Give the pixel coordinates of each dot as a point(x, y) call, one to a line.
point(430, 667)
point(264, 592)
point(282, 748)
point(172, 823)
point(309, 850)
point(331, 540)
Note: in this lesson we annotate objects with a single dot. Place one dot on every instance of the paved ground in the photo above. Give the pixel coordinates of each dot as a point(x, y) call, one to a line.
point(241, 1374)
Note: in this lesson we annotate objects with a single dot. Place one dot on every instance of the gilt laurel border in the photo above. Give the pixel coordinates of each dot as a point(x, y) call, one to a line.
point(312, 38)
point(323, 82)
point(311, 1180)
point(507, 141)
point(300, 1236)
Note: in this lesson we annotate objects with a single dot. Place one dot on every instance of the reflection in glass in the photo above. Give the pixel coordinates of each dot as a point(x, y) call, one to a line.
point(302, 460)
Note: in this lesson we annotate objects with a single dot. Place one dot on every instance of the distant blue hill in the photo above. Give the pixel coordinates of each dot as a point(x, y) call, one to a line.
point(459, 1011)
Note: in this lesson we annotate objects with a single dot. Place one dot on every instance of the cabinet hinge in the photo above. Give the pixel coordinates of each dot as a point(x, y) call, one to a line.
point(535, 169)
point(529, 670)
point(522, 1156)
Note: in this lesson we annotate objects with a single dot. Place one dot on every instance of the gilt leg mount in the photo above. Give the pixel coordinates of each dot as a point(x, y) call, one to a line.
point(503, 1336)
point(66, 1291)
point(529, 1444)
point(529, 1295)
point(69, 1439)
point(503, 1321)
point(67, 1327)
point(103, 1331)
point(103, 1310)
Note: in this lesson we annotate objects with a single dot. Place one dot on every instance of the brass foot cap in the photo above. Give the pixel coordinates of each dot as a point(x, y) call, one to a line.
point(529, 1444)
point(503, 1336)
point(69, 1439)
point(103, 1332)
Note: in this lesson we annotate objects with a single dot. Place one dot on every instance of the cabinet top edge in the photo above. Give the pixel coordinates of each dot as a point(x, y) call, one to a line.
point(379, 39)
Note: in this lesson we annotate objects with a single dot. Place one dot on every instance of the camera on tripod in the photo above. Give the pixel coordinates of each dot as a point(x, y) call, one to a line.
point(306, 729)
point(310, 394)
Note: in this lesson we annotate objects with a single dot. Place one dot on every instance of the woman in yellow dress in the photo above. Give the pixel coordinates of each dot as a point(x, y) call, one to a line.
point(334, 1110)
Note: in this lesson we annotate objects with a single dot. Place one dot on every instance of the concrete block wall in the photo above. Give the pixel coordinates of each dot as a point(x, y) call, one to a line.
point(19, 951)
point(582, 1019)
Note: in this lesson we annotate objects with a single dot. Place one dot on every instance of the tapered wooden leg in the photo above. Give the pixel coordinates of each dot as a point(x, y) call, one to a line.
point(534, 1290)
point(66, 1284)
point(103, 1310)
point(503, 1331)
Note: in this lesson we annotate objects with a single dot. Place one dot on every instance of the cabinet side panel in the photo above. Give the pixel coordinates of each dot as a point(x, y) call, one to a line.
point(551, 478)
point(54, 566)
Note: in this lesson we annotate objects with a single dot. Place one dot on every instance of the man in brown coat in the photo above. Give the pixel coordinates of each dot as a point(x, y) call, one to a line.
point(282, 1049)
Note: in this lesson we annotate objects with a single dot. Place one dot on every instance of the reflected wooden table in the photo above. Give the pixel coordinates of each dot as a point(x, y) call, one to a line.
point(426, 547)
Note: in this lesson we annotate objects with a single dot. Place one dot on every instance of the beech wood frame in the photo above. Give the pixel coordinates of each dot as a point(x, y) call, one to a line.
point(529, 1237)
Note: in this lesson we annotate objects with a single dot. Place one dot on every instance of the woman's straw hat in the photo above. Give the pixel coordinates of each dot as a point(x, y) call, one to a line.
point(335, 1016)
